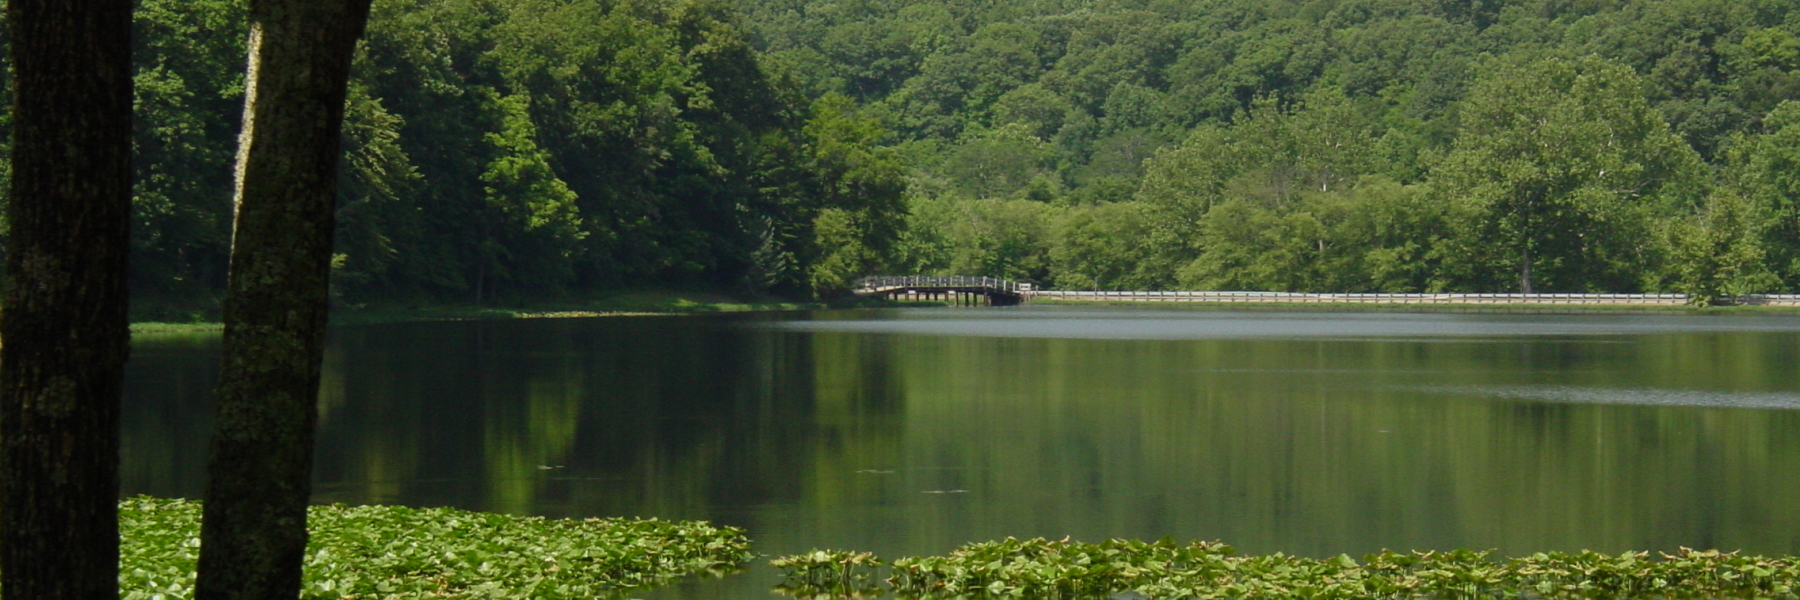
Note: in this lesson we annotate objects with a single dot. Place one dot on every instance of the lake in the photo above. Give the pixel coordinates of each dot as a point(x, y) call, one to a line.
point(911, 431)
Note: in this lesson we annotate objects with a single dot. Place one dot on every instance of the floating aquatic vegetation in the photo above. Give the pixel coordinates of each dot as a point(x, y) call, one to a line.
point(1050, 569)
point(398, 552)
point(830, 574)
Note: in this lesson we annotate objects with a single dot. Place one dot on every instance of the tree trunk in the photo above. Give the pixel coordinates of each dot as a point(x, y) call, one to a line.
point(65, 332)
point(253, 534)
point(1525, 270)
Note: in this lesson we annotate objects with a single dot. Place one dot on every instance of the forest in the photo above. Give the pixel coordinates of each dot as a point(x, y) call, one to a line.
point(509, 150)
point(1330, 145)
point(503, 150)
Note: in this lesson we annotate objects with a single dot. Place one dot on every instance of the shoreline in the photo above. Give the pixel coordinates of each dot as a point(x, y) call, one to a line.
point(664, 304)
point(629, 304)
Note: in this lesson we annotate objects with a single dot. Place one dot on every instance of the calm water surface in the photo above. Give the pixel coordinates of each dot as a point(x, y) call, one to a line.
point(913, 431)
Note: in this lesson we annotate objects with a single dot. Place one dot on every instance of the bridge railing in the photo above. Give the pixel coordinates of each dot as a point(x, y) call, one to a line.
point(885, 283)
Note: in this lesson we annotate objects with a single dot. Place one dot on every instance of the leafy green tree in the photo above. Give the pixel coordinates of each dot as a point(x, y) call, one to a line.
point(991, 237)
point(1250, 246)
point(843, 255)
point(1130, 106)
point(1374, 236)
point(1719, 252)
point(1185, 182)
point(871, 57)
point(1267, 58)
point(533, 228)
point(861, 197)
point(188, 85)
point(1105, 49)
point(1556, 174)
point(1114, 167)
point(998, 163)
point(1712, 66)
point(1040, 110)
point(1102, 247)
point(423, 61)
point(376, 185)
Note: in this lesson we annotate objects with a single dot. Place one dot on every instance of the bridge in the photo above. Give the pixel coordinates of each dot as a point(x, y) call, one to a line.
point(962, 291)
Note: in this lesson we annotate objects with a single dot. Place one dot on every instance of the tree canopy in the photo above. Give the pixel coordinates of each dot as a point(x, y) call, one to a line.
point(509, 149)
point(1326, 145)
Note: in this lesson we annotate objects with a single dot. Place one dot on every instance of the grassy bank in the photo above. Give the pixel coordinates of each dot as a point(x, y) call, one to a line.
point(395, 552)
point(1048, 569)
point(172, 320)
point(620, 304)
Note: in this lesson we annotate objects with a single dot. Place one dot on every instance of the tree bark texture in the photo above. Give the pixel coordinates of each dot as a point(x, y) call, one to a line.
point(253, 534)
point(65, 331)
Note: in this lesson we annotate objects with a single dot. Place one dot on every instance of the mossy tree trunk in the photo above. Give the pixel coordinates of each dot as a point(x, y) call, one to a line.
point(65, 331)
point(253, 533)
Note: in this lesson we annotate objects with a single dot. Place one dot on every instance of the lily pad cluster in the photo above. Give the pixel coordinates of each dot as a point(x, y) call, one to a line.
point(397, 552)
point(1048, 569)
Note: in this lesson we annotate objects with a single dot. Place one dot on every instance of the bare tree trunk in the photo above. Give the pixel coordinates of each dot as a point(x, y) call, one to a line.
point(65, 331)
point(253, 534)
point(1525, 270)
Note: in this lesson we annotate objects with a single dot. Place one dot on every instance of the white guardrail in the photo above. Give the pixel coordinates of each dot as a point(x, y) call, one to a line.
point(1303, 298)
point(1027, 291)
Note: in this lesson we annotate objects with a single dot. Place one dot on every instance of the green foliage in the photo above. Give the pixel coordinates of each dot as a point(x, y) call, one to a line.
point(1719, 253)
point(497, 150)
point(1765, 169)
point(374, 183)
point(844, 256)
point(1569, 135)
point(189, 97)
point(398, 552)
point(1559, 169)
point(998, 164)
point(1102, 247)
point(532, 227)
point(1002, 238)
point(860, 202)
point(1039, 568)
point(830, 573)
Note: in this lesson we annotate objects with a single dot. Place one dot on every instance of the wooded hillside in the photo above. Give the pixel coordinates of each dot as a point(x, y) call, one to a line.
point(1330, 145)
point(500, 150)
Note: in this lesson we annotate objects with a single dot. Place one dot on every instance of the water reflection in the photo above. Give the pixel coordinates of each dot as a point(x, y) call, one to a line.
point(889, 432)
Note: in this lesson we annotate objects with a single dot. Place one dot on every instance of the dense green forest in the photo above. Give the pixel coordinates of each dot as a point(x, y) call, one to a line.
point(1329, 145)
point(500, 150)
point(503, 150)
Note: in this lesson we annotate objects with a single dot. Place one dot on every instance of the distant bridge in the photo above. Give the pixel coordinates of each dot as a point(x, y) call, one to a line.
point(995, 291)
point(963, 291)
